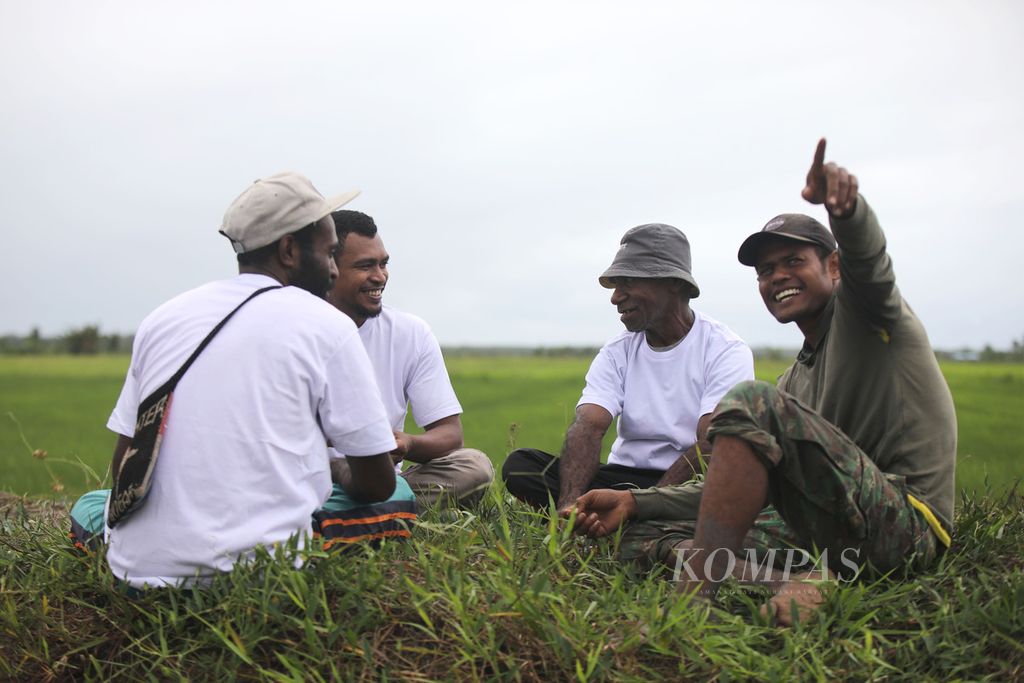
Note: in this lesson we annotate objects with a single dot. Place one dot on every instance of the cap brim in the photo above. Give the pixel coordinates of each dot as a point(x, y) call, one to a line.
point(747, 254)
point(340, 200)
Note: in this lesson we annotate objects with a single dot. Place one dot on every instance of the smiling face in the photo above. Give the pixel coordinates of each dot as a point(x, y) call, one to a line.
point(362, 275)
point(650, 305)
point(796, 284)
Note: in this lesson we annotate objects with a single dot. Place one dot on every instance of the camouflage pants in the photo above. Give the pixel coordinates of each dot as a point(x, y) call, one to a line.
point(825, 492)
point(653, 541)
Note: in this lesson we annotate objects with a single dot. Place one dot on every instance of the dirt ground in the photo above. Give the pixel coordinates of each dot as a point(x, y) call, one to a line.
point(13, 507)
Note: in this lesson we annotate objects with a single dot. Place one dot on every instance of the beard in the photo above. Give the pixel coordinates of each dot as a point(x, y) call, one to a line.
point(312, 276)
point(364, 312)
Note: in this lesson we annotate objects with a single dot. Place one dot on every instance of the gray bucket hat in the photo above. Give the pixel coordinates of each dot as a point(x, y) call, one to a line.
point(649, 251)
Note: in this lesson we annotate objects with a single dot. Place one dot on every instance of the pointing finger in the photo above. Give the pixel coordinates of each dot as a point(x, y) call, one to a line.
point(819, 156)
point(815, 188)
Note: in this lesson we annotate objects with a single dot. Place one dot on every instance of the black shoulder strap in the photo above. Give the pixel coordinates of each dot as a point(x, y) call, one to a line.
point(173, 381)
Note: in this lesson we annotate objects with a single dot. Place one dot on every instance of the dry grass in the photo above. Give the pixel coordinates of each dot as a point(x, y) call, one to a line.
point(52, 512)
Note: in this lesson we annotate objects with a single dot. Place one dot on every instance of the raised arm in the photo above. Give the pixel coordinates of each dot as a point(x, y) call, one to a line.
point(581, 452)
point(866, 273)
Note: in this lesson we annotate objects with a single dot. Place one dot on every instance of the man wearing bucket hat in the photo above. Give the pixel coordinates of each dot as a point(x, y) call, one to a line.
point(244, 457)
point(662, 377)
point(855, 448)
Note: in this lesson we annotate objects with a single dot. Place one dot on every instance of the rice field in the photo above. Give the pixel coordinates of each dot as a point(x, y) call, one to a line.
point(60, 405)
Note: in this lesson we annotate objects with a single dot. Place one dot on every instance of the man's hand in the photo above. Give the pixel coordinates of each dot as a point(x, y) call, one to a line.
point(438, 440)
point(831, 185)
point(404, 442)
point(601, 511)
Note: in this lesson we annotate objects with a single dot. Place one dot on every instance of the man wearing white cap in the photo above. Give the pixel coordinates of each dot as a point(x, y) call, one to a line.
point(244, 457)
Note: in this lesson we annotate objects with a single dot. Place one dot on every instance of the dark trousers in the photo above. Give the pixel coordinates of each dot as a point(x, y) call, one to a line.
point(532, 476)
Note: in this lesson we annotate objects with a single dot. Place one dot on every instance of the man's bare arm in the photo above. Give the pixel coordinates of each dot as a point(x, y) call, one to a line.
point(689, 463)
point(439, 439)
point(581, 452)
point(368, 479)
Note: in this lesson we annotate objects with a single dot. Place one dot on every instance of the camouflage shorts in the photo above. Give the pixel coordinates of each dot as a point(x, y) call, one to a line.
point(654, 541)
point(825, 492)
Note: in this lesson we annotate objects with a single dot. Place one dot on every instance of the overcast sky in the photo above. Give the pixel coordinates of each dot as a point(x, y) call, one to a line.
point(504, 148)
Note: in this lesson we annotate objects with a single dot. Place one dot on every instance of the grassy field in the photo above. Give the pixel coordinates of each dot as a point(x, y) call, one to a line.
point(61, 404)
point(501, 593)
point(496, 593)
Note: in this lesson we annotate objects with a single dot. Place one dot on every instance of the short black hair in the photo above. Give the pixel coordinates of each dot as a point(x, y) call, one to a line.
point(304, 236)
point(346, 221)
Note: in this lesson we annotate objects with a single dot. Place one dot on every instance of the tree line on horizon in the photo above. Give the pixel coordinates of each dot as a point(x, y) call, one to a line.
point(90, 340)
point(84, 341)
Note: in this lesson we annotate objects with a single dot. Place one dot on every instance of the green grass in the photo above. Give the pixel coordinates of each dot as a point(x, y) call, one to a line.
point(499, 593)
point(502, 594)
point(61, 405)
point(989, 402)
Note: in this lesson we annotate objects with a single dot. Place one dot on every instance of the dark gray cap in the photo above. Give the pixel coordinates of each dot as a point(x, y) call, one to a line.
point(790, 226)
point(650, 251)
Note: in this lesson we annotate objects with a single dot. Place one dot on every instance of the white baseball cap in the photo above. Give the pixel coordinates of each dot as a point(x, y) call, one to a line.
point(276, 206)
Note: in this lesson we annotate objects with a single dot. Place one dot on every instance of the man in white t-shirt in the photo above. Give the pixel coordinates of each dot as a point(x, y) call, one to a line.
point(662, 378)
point(410, 372)
point(244, 460)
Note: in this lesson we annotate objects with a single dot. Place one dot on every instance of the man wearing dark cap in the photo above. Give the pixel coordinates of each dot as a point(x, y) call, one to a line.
point(662, 378)
point(855, 449)
point(244, 460)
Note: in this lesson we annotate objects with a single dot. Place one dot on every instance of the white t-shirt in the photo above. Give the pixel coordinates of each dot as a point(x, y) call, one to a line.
point(244, 458)
point(409, 368)
point(658, 396)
